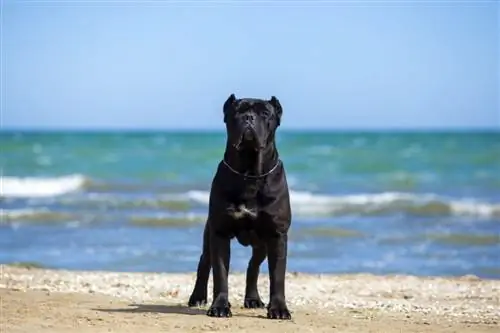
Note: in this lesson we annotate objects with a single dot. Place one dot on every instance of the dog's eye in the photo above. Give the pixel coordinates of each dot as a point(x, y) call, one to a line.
point(266, 113)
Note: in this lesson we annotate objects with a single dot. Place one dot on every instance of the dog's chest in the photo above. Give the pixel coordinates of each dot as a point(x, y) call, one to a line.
point(245, 201)
point(245, 223)
point(242, 211)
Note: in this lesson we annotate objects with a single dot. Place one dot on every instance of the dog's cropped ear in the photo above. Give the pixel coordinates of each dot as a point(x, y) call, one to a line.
point(228, 105)
point(277, 107)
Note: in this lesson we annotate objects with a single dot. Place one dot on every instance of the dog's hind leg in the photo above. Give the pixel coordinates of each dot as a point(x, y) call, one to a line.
point(252, 297)
point(199, 294)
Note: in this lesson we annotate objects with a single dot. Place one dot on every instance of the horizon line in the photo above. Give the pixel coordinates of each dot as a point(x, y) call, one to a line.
point(222, 130)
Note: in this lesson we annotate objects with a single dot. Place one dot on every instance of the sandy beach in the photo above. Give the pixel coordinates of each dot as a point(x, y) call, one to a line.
point(39, 300)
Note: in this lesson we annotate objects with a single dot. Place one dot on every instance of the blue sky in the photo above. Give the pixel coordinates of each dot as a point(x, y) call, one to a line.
point(333, 65)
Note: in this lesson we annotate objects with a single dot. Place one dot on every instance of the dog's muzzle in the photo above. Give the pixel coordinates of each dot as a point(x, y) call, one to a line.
point(248, 139)
point(248, 135)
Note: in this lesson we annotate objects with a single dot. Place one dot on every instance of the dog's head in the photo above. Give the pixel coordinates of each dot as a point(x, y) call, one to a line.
point(251, 123)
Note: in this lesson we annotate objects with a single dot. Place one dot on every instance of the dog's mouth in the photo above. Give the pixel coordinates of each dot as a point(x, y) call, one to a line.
point(248, 140)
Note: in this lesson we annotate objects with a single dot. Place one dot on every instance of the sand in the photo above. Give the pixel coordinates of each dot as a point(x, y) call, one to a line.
point(39, 300)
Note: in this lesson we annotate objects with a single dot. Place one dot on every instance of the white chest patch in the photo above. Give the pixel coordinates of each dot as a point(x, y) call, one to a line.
point(242, 211)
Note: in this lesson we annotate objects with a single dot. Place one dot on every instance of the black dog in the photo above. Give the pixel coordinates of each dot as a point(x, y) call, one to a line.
point(249, 200)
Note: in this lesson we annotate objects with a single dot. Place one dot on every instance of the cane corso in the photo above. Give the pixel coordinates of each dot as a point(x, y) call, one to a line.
point(249, 200)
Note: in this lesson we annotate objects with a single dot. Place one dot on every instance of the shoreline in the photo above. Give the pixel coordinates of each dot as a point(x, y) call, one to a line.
point(416, 303)
point(34, 265)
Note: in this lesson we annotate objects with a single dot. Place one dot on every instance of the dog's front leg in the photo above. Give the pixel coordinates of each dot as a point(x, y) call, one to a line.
point(220, 252)
point(277, 255)
point(199, 295)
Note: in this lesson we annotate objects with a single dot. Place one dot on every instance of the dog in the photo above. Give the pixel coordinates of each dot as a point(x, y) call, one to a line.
point(249, 200)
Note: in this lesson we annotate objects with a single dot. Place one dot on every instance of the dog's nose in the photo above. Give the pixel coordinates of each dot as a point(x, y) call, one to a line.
point(249, 118)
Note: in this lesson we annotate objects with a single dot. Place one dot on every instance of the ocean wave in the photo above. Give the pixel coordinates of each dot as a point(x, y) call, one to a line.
point(310, 204)
point(303, 203)
point(31, 187)
point(185, 220)
point(104, 201)
point(307, 204)
point(32, 215)
point(468, 239)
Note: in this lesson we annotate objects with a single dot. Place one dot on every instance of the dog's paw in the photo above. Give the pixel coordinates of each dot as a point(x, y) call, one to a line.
point(197, 301)
point(253, 303)
point(220, 311)
point(220, 308)
point(278, 310)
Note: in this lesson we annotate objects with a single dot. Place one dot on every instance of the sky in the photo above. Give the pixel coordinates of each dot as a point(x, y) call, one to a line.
point(332, 64)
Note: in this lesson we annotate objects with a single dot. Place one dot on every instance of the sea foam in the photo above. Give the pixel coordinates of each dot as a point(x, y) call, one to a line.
point(31, 187)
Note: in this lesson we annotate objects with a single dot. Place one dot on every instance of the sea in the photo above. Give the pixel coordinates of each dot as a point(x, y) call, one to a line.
point(420, 203)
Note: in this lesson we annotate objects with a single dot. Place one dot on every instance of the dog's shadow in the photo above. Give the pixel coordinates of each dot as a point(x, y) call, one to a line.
point(168, 309)
point(157, 308)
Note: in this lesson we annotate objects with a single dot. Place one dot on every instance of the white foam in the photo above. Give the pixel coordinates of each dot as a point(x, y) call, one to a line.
point(30, 187)
point(199, 196)
point(310, 204)
point(9, 215)
point(18, 213)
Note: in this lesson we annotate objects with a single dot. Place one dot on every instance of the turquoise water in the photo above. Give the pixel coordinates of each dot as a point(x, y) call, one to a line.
point(417, 203)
